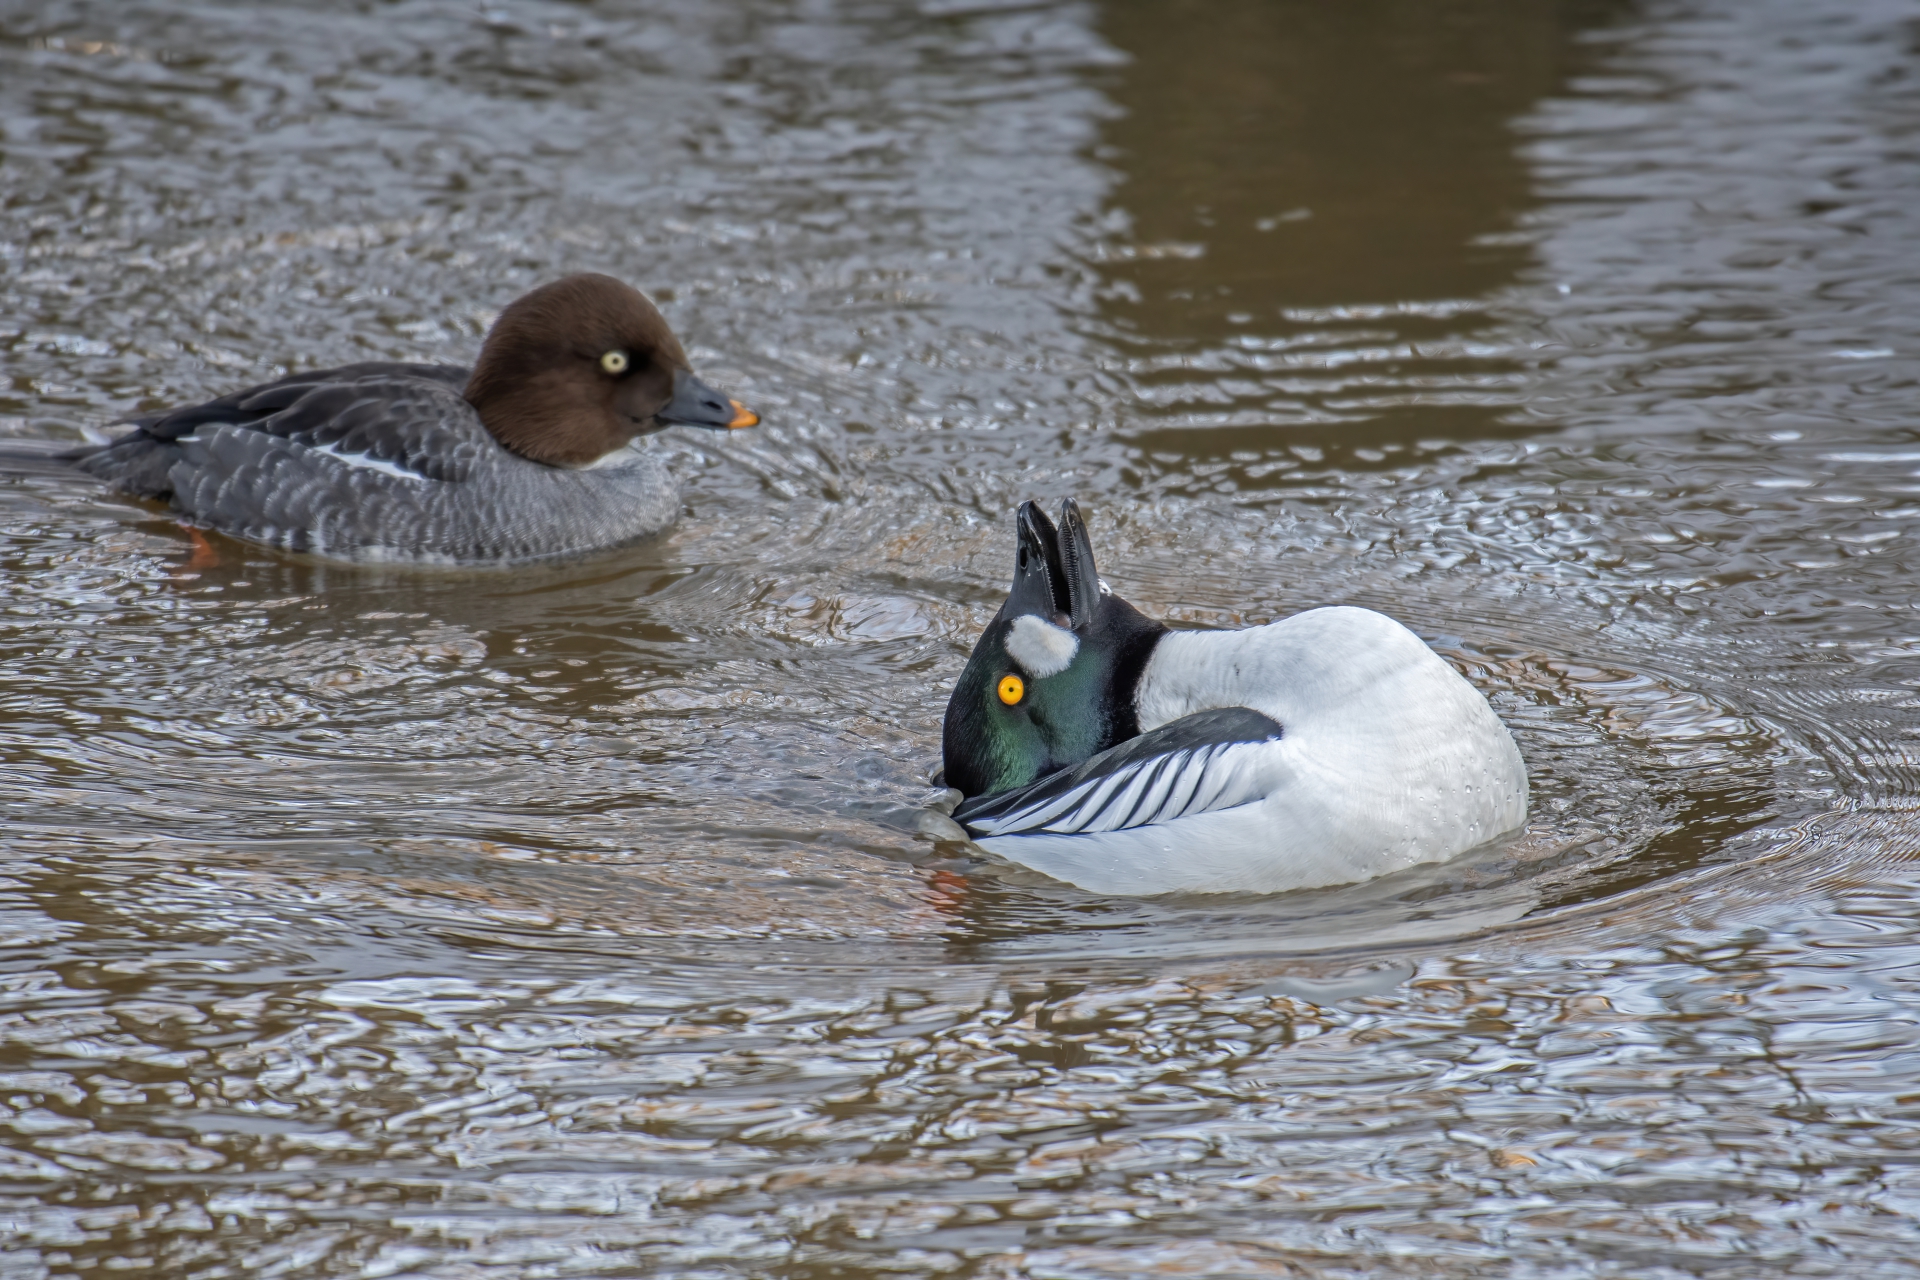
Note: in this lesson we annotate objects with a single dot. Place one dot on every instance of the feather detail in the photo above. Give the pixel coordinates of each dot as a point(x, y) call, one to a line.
point(1211, 760)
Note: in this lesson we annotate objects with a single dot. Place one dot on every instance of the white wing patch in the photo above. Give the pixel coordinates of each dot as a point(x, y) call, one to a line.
point(367, 463)
point(1146, 792)
point(1041, 648)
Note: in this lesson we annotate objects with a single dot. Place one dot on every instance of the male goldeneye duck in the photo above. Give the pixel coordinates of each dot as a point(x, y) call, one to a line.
point(1107, 750)
point(529, 454)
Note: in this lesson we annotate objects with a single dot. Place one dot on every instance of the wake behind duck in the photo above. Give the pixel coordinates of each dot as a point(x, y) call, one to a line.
point(1110, 751)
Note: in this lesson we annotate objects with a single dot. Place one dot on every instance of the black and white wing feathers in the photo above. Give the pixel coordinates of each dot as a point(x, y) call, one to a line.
point(1198, 763)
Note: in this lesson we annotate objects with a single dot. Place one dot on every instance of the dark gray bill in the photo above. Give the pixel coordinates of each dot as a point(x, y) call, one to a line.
point(695, 404)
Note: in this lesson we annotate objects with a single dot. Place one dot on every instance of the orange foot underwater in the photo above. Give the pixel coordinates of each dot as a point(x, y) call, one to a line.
point(950, 891)
point(202, 554)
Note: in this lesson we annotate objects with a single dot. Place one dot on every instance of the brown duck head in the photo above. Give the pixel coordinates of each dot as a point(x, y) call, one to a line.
point(581, 367)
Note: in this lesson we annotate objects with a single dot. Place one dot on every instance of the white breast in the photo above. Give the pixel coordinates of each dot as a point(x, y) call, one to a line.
point(1388, 758)
point(614, 459)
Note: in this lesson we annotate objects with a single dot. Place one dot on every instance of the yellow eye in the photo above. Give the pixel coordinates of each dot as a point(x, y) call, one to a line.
point(1012, 689)
point(614, 362)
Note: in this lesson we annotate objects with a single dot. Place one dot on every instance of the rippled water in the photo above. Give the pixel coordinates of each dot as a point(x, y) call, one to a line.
point(572, 921)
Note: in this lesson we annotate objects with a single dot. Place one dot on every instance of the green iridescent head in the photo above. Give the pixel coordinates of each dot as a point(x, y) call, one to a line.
point(1050, 681)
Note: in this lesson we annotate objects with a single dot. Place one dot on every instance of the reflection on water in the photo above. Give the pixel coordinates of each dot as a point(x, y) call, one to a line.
point(1296, 155)
point(571, 921)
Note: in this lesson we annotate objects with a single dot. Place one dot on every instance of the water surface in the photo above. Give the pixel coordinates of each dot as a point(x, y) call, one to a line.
point(571, 921)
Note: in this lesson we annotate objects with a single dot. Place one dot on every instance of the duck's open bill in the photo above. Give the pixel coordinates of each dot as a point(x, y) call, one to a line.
point(742, 416)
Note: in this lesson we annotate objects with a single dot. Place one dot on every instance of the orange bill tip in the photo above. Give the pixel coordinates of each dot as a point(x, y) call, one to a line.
point(742, 416)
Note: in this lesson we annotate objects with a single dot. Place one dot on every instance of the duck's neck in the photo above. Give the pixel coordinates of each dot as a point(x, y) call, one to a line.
point(1132, 658)
point(1126, 639)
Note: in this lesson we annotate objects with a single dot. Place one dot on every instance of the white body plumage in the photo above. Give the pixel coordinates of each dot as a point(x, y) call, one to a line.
point(1387, 758)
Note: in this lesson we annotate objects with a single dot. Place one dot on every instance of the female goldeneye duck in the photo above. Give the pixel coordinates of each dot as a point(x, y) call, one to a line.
point(1107, 750)
point(528, 455)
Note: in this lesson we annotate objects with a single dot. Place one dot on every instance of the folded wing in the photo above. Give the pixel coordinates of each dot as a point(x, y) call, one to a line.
point(1209, 760)
point(253, 406)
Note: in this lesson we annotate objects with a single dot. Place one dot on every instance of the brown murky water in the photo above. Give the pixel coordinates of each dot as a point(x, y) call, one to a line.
point(571, 922)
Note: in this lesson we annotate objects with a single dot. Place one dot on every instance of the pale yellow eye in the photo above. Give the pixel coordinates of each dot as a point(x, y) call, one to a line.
point(1012, 689)
point(614, 362)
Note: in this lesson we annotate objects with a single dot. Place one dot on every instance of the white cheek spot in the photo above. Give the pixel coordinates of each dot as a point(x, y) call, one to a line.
point(1040, 647)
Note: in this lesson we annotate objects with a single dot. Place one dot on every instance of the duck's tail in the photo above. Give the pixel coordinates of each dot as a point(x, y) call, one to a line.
point(29, 457)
